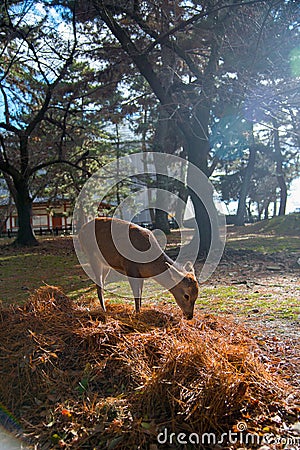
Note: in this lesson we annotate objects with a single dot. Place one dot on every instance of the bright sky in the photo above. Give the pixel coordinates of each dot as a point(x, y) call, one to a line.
point(293, 201)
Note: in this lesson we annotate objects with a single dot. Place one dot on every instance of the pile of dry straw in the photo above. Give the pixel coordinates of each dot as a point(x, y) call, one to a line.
point(72, 377)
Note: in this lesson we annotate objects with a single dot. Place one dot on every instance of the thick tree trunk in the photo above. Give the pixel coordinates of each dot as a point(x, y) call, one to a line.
point(259, 211)
point(23, 202)
point(248, 207)
point(196, 134)
point(163, 140)
point(198, 147)
point(241, 212)
point(198, 157)
point(161, 215)
point(180, 204)
point(204, 226)
point(161, 221)
point(283, 194)
point(161, 144)
point(275, 208)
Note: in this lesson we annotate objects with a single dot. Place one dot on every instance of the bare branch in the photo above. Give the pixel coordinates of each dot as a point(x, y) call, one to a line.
point(9, 127)
point(57, 161)
point(260, 33)
point(6, 107)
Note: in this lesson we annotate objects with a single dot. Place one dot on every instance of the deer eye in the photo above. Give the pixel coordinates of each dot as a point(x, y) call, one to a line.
point(186, 296)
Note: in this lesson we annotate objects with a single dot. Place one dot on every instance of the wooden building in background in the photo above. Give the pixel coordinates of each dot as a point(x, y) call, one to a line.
point(45, 215)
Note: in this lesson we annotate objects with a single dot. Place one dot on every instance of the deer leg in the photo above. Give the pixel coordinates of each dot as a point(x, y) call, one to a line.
point(137, 289)
point(100, 272)
point(100, 284)
point(100, 295)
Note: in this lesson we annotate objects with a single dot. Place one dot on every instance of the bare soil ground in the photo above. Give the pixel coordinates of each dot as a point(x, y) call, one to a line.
point(268, 302)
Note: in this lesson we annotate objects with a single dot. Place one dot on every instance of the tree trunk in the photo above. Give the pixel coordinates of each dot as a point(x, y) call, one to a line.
point(161, 215)
point(197, 144)
point(144, 150)
point(241, 212)
point(275, 208)
point(279, 170)
point(161, 144)
point(196, 154)
point(259, 211)
point(181, 202)
point(266, 216)
point(248, 207)
point(23, 202)
point(204, 226)
point(283, 194)
point(196, 135)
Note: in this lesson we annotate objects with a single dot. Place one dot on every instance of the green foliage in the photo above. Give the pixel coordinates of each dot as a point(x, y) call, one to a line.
point(230, 137)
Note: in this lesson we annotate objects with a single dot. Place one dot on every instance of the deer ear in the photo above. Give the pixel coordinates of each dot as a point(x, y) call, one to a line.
point(189, 267)
point(175, 273)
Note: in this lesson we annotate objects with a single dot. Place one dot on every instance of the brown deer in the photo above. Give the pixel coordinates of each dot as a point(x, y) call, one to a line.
point(134, 251)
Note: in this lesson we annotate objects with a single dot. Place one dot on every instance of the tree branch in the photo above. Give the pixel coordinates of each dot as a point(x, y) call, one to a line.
point(185, 23)
point(9, 127)
point(152, 33)
point(4, 153)
point(260, 33)
point(129, 47)
point(57, 161)
point(41, 113)
point(6, 107)
point(7, 168)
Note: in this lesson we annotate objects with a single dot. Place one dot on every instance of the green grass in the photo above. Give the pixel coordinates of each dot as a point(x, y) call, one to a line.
point(288, 225)
point(238, 301)
point(21, 273)
point(269, 236)
point(264, 244)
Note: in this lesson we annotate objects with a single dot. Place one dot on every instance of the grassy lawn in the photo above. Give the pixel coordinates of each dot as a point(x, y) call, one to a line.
point(234, 300)
point(264, 244)
point(269, 236)
point(55, 263)
point(22, 271)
